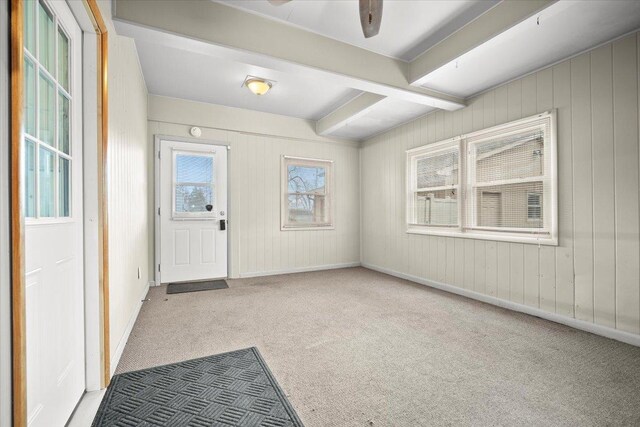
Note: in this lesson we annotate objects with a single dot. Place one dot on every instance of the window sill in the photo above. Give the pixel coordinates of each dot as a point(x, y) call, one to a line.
point(480, 235)
point(307, 228)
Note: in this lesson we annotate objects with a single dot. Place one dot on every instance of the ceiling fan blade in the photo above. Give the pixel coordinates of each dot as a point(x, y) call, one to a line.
point(370, 17)
point(278, 2)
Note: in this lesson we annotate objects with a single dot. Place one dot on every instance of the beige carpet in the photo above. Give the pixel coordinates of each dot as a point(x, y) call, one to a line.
point(354, 347)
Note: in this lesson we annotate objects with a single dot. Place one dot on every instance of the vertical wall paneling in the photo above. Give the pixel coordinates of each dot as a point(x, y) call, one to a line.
point(582, 194)
point(492, 269)
point(258, 244)
point(625, 131)
point(593, 274)
point(531, 275)
point(564, 252)
point(128, 189)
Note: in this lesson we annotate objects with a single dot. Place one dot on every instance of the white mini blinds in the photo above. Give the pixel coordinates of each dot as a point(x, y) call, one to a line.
point(306, 193)
point(194, 185)
point(497, 184)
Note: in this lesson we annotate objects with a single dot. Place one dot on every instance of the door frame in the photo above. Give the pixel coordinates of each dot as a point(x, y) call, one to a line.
point(95, 113)
point(157, 139)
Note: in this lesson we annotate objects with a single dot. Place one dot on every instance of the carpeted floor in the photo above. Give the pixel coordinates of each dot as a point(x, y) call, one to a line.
point(354, 347)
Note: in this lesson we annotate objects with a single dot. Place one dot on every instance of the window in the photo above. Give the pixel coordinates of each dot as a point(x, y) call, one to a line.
point(47, 105)
point(306, 193)
point(193, 184)
point(435, 185)
point(498, 184)
point(534, 206)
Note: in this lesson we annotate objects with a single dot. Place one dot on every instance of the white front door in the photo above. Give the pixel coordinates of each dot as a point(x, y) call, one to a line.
point(193, 211)
point(52, 174)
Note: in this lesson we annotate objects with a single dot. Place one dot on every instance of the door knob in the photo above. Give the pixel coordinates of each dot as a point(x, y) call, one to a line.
point(223, 224)
point(208, 208)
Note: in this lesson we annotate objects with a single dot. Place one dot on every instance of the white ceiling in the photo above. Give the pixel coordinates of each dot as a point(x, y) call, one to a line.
point(381, 116)
point(172, 68)
point(184, 74)
point(409, 27)
point(565, 28)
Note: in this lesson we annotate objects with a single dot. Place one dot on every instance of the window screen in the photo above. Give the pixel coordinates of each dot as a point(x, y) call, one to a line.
point(435, 179)
point(306, 195)
point(507, 178)
point(194, 184)
point(497, 183)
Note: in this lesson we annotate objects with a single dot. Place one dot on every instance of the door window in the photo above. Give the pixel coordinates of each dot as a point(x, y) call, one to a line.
point(47, 105)
point(193, 185)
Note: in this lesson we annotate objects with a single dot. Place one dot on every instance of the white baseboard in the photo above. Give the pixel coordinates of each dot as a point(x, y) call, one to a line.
point(300, 270)
point(604, 331)
point(125, 337)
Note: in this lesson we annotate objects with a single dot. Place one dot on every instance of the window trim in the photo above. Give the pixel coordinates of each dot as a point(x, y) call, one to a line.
point(546, 236)
point(284, 193)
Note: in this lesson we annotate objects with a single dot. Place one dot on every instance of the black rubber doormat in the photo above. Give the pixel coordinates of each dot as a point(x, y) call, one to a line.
point(229, 389)
point(204, 285)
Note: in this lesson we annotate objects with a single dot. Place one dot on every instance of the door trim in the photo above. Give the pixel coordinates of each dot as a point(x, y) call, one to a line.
point(18, 302)
point(156, 213)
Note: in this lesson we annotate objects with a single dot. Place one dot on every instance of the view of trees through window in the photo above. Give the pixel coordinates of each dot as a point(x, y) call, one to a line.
point(306, 193)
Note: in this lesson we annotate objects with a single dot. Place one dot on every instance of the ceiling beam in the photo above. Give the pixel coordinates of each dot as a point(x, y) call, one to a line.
point(493, 22)
point(346, 113)
point(249, 38)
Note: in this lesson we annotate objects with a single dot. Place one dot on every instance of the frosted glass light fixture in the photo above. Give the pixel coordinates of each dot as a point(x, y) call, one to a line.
point(257, 85)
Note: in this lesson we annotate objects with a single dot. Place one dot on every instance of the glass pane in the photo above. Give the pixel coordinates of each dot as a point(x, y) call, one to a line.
point(193, 198)
point(64, 181)
point(194, 169)
point(30, 26)
point(46, 187)
point(30, 178)
point(307, 209)
point(63, 59)
point(534, 208)
point(46, 38)
point(47, 110)
point(515, 157)
point(29, 98)
point(306, 179)
point(63, 123)
point(437, 170)
point(437, 207)
point(507, 205)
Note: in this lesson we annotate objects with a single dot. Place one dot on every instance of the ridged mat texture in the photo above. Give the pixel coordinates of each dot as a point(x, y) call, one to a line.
point(228, 389)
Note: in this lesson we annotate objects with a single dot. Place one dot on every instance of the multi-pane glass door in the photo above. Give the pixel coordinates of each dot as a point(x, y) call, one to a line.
point(47, 106)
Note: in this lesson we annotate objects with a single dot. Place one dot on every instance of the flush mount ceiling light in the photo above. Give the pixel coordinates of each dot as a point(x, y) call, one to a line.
point(257, 85)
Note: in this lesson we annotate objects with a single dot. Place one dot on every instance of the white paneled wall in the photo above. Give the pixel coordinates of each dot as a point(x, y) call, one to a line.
point(128, 210)
point(594, 274)
point(257, 245)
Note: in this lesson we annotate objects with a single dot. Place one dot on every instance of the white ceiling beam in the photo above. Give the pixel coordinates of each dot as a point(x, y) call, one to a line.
point(493, 22)
point(248, 38)
point(349, 111)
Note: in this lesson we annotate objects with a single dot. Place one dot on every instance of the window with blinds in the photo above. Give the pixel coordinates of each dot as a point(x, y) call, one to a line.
point(497, 183)
point(193, 185)
point(435, 185)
